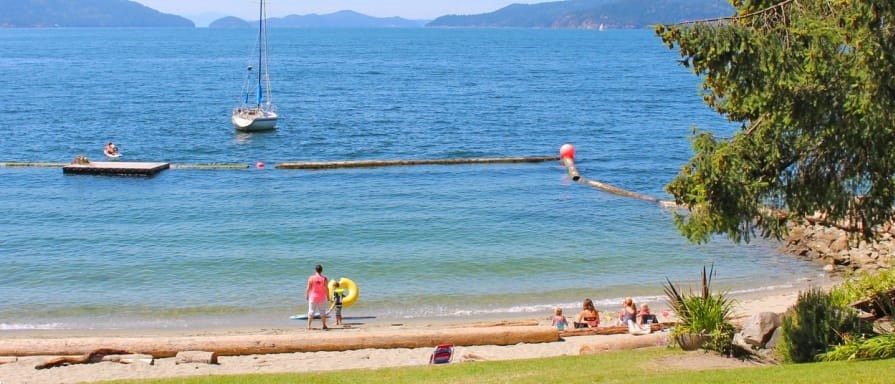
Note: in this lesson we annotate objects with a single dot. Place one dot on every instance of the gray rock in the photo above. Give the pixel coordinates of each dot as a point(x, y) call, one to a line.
point(775, 339)
point(758, 329)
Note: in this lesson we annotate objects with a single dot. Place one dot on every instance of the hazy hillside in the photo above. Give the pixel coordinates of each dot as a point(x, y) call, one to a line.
point(84, 13)
point(341, 19)
point(590, 14)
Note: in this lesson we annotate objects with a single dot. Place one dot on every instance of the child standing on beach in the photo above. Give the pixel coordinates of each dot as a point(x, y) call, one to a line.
point(559, 321)
point(338, 294)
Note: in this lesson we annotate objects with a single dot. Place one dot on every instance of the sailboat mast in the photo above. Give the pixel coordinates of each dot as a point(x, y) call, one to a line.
point(260, 50)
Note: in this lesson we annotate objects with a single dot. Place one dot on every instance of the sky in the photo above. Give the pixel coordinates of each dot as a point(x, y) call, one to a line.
point(408, 9)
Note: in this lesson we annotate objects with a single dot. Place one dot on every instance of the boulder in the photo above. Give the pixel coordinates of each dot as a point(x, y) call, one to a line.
point(775, 339)
point(758, 329)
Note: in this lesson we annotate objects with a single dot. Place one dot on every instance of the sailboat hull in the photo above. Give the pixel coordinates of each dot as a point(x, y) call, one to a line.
point(253, 120)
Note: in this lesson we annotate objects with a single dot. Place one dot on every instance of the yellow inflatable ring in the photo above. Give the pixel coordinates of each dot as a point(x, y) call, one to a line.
point(348, 288)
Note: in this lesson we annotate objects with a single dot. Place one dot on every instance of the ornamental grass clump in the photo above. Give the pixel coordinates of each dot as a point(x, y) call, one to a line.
point(816, 324)
point(702, 313)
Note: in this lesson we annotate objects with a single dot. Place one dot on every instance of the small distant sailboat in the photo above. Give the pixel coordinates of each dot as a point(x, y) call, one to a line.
point(262, 114)
point(602, 27)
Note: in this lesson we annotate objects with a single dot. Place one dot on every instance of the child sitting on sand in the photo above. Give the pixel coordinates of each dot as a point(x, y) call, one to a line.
point(645, 316)
point(559, 321)
point(589, 317)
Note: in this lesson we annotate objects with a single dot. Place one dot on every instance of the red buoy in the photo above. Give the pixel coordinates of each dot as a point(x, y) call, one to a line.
point(567, 150)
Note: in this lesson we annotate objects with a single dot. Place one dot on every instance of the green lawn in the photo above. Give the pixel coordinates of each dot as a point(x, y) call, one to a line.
point(643, 366)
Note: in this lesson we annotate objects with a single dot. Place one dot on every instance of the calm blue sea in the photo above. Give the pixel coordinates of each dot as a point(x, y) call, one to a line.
point(192, 248)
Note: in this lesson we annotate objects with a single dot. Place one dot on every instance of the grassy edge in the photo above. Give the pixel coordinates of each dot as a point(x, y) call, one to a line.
point(647, 365)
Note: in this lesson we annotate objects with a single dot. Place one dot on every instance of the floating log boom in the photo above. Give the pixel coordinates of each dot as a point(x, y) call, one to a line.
point(396, 163)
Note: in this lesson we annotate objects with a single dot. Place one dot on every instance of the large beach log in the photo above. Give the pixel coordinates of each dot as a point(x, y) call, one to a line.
point(633, 342)
point(266, 344)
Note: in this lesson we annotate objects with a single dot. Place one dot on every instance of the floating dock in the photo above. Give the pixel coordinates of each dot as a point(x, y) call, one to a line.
point(115, 168)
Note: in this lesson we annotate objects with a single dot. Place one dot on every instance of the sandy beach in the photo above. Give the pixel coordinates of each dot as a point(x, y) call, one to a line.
point(21, 369)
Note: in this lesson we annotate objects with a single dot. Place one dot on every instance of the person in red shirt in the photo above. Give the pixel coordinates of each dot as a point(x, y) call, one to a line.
point(317, 294)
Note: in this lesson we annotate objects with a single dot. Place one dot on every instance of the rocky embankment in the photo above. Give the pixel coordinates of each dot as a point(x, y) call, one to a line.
point(840, 251)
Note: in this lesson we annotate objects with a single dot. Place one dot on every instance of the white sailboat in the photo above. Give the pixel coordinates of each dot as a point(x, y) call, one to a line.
point(262, 114)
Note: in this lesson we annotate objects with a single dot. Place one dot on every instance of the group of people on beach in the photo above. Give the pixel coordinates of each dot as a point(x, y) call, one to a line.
point(589, 316)
point(317, 294)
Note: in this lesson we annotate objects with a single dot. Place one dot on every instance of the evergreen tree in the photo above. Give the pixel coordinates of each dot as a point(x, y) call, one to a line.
point(813, 84)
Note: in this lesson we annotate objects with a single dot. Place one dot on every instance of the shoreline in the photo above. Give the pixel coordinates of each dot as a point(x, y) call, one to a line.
point(248, 323)
point(22, 369)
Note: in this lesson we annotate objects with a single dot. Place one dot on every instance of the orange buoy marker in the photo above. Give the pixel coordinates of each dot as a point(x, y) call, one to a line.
point(567, 157)
point(259, 165)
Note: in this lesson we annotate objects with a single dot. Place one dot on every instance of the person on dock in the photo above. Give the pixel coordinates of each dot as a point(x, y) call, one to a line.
point(316, 294)
point(589, 317)
point(559, 321)
point(338, 294)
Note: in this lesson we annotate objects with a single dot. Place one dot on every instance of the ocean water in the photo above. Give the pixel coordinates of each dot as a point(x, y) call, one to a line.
point(195, 248)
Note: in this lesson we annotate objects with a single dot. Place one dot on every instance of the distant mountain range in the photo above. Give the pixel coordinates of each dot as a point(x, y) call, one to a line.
point(84, 13)
point(590, 14)
point(341, 19)
point(557, 14)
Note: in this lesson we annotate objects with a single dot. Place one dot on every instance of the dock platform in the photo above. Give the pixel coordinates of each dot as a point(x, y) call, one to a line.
point(115, 168)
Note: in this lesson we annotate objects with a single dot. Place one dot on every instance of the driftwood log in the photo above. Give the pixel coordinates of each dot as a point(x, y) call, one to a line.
point(91, 357)
point(644, 341)
point(8, 359)
point(202, 357)
point(879, 305)
point(287, 343)
point(520, 323)
point(614, 330)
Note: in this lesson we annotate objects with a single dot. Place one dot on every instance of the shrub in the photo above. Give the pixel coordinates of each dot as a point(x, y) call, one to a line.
point(815, 324)
point(867, 286)
point(702, 313)
point(880, 347)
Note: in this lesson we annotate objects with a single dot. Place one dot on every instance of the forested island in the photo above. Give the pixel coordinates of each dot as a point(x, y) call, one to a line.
point(84, 13)
point(590, 14)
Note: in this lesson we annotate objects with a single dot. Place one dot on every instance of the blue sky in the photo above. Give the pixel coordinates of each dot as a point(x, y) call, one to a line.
point(410, 9)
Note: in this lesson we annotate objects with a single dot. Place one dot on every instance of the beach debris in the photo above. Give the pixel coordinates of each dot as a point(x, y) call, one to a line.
point(8, 360)
point(202, 357)
point(93, 357)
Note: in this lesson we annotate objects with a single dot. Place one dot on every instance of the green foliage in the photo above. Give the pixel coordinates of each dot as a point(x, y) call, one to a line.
point(879, 347)
point(866, 286)
point(703, 313)
point(815, 324)
point(811, 83)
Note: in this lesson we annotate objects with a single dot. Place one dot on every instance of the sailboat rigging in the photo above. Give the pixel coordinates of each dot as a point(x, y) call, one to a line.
point(262, 114)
